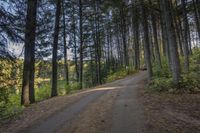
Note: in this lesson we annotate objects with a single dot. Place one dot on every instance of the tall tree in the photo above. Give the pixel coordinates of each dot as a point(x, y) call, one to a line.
point(81, 43)
point(155, 35)
point(27, 96)
point(135, 22)
point(55, 49)
point(173, 52)
point(146, 41)
point(65, 45)
point(186, 37)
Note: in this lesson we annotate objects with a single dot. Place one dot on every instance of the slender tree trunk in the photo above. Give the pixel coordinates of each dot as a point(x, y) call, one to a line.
point(55, 49)
point(32, 75)
point(81, 44)
point(164, 37)
point(65, 46)
point(75, 46)
point(197, 19)
point(123, 29)
point(27, 96)
point(174, 57)
point(186, 36)
point(146, 42)
point(135, 22)
point(198, 5)
point(155, 35)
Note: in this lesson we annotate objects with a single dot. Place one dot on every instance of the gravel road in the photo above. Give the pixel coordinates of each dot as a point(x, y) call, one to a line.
point(110, 108)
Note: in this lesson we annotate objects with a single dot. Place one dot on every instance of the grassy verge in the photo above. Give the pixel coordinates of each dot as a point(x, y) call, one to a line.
point(190, 82)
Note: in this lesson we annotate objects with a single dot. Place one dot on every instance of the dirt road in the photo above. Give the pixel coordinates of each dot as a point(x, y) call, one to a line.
point(110, 108)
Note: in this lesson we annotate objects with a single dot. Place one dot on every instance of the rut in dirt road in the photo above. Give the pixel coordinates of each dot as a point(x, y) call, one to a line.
point(122, 114)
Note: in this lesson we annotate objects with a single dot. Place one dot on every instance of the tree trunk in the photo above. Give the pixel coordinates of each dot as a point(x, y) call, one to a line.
point(65, 46)
point(186, 37)
point(136, 38)
point(55, 49)
point(75, 46)
point(146, 42)
point(174, 57)
point(81, 44)
point(27, 96)
point(123, 32)
point(155, 35)
point(197, 19)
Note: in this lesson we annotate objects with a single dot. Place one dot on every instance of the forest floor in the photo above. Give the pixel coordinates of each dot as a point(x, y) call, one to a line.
point(123, 106)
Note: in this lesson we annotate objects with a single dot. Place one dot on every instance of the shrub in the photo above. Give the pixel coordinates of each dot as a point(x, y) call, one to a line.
point(44, 92)
point(12, 108)
point(119, 74)
point(160, 84)
point(190, 83)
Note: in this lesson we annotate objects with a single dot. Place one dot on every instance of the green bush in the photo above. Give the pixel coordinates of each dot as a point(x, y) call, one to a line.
point(190, 83)
point(43, 92)
point(119, 74)
point(160, 84)
point(164, 72)
point(10, 109)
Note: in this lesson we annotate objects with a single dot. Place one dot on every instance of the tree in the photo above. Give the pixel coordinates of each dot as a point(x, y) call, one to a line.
point(155, 35)
point(65, 45)
point(146, 41)
point(135, 22)
point(81, 44)
point(55, 48)
point(173, 52)
point(27, 96)
point(186, 37)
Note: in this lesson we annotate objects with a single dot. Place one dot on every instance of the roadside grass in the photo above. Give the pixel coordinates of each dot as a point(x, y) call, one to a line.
point(190, 82)
point(13, 108)
point(119, 74)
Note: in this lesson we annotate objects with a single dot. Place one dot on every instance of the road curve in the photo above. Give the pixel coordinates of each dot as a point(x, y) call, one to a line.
point(110, 108)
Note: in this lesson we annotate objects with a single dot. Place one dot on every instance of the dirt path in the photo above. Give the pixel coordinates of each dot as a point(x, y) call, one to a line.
point(123, 106)
point(110, 108)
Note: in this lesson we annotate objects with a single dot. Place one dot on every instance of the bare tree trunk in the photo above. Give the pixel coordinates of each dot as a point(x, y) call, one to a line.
point(186, 36)
point(27, 96)
point(55, 49)
point(146, 42)
point(174, 57)
point(123, 30)
point(81, 44)
point(197, 18)
point(75, 45)
point(65, 46)
point(155, 35)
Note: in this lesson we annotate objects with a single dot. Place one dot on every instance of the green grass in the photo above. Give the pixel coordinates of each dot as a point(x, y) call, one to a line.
point(189, 83)
point(11, 108)
point(44, 91)
point(119, 74)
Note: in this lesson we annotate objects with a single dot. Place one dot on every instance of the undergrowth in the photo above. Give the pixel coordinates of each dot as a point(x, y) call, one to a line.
point(119, 74)
point(189, 83)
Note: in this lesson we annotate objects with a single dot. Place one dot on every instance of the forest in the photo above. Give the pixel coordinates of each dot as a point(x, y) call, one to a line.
point(51, 48)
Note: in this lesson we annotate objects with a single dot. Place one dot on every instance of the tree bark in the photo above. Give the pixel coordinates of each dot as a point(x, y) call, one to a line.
point(65, 46)
point(81, 44)
point(146, 42)
point(155, 35)
point(135, 22)
point(75, 45)
point(27, 96)
point(186, 37)
point(197, 18)
point(55, 49)
point(174, 57)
